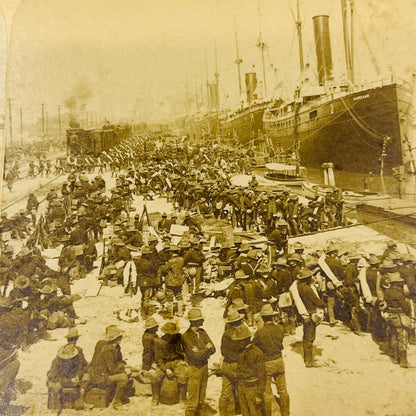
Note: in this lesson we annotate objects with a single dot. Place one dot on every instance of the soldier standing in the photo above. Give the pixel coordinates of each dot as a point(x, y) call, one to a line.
point(229, 404)
point(252, 374)
point(311, 302)
point(269, 339)
point(197, 347)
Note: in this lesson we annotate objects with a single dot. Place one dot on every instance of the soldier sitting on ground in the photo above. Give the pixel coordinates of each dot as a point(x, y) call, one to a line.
point(65, 375)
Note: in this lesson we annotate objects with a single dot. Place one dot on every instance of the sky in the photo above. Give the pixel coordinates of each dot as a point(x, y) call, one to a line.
point(140, 59)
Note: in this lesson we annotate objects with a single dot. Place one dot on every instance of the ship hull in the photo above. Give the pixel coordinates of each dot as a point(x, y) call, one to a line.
point(348, 131)
point(244, 127)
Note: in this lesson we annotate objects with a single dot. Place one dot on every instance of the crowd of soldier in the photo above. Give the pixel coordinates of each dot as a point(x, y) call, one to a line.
point(274, 288)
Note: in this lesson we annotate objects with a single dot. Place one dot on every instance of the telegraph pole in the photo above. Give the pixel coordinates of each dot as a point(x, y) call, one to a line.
point(10, 121)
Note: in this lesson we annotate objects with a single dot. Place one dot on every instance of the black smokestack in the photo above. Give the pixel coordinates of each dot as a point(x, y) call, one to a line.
point(251, 85)
point(323, 47)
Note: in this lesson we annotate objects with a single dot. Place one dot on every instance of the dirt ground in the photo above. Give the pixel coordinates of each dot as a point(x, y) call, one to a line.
point(353, 379)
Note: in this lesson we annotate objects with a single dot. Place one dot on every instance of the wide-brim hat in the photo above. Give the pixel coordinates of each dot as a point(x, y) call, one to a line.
point(48, 286)
point(239, 304)
point(67, 352)
point(298, 246)
point(304, 273)
point(240, 275)
point(388, 264)
point(72, 333)
point(281, 261)
point(112, 332)
point(373, 260)
point(267, 310)
point(151, 323)
point(170, 328)
point(240, 333)
point(263, 269)
point(295, 257)
point(21, 282)
point(395, 277)
point(233, 315)
point(195, 314)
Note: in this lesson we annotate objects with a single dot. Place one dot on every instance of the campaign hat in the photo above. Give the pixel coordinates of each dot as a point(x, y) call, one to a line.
point(195, 314)
point(170, 328)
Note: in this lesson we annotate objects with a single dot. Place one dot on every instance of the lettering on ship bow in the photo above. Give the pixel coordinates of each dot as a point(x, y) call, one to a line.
point(361, 97)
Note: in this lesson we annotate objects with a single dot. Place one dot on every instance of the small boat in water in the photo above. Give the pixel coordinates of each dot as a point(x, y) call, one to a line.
point(290, 175)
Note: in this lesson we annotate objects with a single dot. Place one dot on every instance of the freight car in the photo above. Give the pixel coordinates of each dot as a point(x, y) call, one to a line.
point(92, 141)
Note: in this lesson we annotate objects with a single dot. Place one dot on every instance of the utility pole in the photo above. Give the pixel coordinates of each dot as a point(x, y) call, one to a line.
point(21, 126)
point(238, 61)
point(59, 122)
point(10, 121)
point(261, 45)
point(43, 121)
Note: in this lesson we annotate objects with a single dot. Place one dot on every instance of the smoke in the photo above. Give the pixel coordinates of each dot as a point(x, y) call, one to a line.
point(78, 98)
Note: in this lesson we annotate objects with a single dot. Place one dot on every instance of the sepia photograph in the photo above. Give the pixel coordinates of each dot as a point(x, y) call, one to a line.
point(208, 207)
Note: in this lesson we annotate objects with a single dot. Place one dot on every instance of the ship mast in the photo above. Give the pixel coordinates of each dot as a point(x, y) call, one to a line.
point(299, 30)
point(261, 45)
point(217, 75)
point(348, 38)
point(238, 61)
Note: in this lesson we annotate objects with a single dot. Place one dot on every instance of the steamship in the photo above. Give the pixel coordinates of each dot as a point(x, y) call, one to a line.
point(360, 127)
point(246, 123)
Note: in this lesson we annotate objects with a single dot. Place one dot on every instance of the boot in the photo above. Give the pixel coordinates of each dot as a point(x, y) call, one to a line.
point(403, 359)
point(308, 353)
point(189, 412)
point(393, 352)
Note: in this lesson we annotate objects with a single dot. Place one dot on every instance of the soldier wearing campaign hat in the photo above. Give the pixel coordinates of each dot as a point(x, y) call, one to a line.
point(169, 360)
point(269, 339)
point(66, 372)
point(108, 367)
point(197, 347)
point(228, 402)
point(312, 303)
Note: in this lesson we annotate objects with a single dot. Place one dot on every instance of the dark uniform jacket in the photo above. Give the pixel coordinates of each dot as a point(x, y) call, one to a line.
point(63, 371)
point(106, 361)
point(230, 348)
point(251, 368)
point(269, 339)
point(197, 338)
point(146, 272)
point(174, 271)
point(168, 349)
point(309, 298)
point(396, 300)
point(149, 342)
